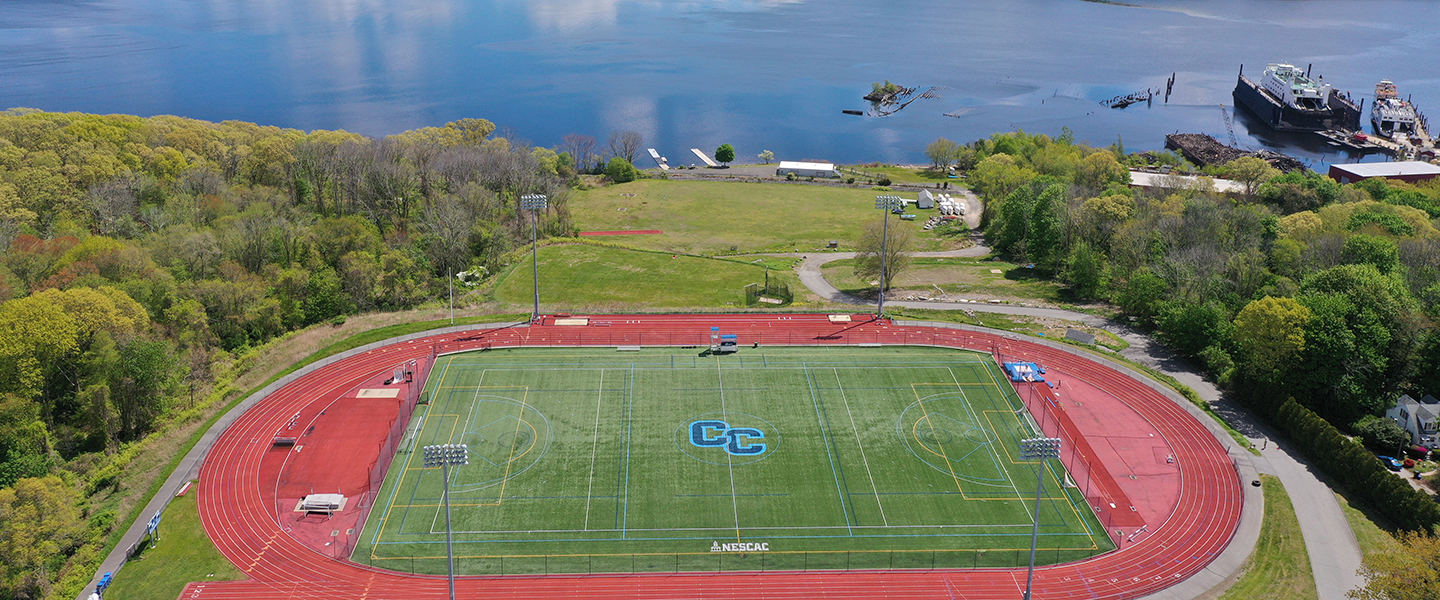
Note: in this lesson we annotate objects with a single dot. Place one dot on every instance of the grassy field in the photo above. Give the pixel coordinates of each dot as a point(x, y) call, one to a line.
point(581, 277)
point(705, 217)
point(1279, 569)
point(593, 461)
point(182, 555)
point(971, 278)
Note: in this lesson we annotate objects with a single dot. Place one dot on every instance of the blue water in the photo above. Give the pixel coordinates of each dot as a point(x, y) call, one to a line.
point(759, 74)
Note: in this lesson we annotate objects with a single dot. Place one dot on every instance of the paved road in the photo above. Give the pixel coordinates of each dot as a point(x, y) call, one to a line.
point(1334, 552)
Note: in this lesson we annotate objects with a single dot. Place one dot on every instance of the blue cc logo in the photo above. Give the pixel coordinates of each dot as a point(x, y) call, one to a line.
point(737, 441)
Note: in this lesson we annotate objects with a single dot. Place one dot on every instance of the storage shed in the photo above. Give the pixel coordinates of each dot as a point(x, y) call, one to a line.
point(1410, 170)
point(807, 169)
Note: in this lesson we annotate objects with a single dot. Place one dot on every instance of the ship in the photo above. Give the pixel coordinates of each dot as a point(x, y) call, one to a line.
point(1287, 99)
point(1392, 117)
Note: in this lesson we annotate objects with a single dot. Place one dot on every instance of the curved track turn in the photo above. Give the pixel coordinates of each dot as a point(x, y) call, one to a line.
point(245, 528)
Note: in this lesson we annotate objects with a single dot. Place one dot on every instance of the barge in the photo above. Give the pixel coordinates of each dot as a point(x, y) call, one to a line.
point(1287, 99)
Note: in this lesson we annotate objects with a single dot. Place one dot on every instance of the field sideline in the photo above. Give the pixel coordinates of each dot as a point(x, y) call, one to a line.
point(585, 460)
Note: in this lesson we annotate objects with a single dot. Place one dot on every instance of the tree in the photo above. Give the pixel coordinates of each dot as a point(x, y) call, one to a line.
point(1381, 434)
point(40, 525)
point(725, 154)
point(145, 376)
point(896, 257)
point(1270, 335)
point(1373, 250)
point(1251, 172)
point(942, 153)
point(581, 148)
point(624, 144)
point(766, 156)
point(1409, 570)
point(1100, 170)
point(1192, 327)
point(1088, 273)
point(1044, 242)
point(620, 170)
point(472, 131)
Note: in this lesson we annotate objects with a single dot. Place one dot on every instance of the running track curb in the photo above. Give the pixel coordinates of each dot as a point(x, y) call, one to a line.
point(189, 467)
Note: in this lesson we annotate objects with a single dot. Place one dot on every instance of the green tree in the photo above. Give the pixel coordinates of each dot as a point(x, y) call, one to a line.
point(141, 383)
point(725, 154)
point(1192, 327)
point(40, 525)
point(895, 252)
point(620, 170)
point(1140, 293)
point(1270, 335)
point(1381, 434)
point(1409, 570)
point(1088, 273)
point(1044, 243)
point(1373, 250)
point(1100, 170)
point(942, 153)
point(1251, 173)
point(766, 156)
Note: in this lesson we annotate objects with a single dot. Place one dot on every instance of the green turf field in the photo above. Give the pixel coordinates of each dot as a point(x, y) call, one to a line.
point(593, 460)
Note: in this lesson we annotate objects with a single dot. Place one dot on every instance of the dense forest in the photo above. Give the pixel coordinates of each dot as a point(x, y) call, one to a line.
point(142, 254)
point(1296, 287)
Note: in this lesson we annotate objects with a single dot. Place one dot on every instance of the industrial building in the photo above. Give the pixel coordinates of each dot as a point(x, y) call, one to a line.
point(807, 169)
point(1411, 171)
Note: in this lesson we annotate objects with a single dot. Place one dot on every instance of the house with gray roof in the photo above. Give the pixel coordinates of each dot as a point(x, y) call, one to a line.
point(1418, 418)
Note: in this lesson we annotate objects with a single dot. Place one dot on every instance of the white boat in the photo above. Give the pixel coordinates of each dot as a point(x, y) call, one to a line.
point(1290, 85)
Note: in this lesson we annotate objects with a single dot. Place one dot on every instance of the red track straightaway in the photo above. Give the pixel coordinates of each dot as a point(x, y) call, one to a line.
point(247, 529)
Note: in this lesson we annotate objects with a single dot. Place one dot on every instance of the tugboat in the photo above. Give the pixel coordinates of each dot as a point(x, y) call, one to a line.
point(1287, 99)
point(1392, 117)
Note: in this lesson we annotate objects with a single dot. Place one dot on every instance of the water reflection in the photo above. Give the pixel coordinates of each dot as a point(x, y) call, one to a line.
point(760, 74)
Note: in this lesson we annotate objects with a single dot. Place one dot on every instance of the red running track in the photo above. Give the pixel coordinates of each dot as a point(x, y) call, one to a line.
point(247, 531)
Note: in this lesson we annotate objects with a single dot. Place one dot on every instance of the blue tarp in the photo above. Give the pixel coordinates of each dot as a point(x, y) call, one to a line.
point(1024, 371)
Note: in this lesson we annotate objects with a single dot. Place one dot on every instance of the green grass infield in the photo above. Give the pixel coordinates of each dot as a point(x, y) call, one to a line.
point(672, 460)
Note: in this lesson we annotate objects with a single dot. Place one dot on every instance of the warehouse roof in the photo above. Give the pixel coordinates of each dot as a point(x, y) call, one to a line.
point(1389, 169)
point(787, 164)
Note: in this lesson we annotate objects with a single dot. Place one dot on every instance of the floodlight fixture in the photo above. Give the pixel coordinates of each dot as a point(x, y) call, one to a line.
point(1041, 449)
point(886, 203)
point(446, 456)
point(534, 203)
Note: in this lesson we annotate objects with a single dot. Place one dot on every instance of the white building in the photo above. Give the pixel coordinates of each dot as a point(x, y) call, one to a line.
point(807, 169)
point(1418, 417)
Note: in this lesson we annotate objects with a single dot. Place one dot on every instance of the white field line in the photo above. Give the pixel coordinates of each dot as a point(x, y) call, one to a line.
point(594, 447)
point(862, 447)
point(993, 455)
point(729, 460)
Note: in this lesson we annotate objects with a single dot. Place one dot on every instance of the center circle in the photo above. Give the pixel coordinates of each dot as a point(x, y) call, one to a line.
point(727, 439)
point(504, 446)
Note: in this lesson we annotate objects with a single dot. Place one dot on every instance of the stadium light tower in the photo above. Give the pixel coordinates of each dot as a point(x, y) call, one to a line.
point(534, 203)
point(443, 456)
point(1037, 449)
point(887, 204)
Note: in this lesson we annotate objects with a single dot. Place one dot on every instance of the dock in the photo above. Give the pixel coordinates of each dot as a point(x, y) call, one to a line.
point(659, 160)
point(704, 157)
